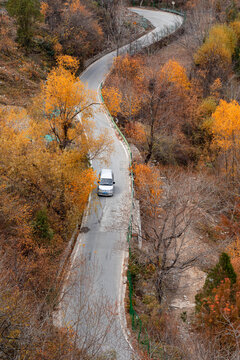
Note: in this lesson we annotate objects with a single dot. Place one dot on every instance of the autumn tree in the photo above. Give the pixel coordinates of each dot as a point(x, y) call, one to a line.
point(55, 170)
point(214, 57)
point(83, 36)
point(52, 10)
point(139, 92)
point(26, 13)
point(65, 109)
point(136, 131)
point(169, 211)
point(218, 318)
point(218, 305)
point(222, 41)
point(197, 129)
point(222, 270)
point(144, 97)
point(7, 43)
point(124, 99)
point(43, 173)
point(148, 182)
point(202, 16)
point(112, 98)
point(77, 30)
point(65, 98)
point(45, 185)
point(165, 90)
point(28, 330)
point(112, 18)
point(226, 129)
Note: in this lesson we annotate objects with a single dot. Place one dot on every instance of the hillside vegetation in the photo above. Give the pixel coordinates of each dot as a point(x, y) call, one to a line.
point(179, 106)
point(45, 173)
point(183, 116)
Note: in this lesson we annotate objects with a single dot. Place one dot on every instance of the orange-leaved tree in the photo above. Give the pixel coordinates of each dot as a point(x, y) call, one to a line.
point(220, 312)
point(74, 27)
point(136, 131)
point(164, 91)
point(49, 156)
point(218, 305)
point(112, 98)
point(125, 99)
point(83, 34)
point(175, 73)
point(149, 96)
point(148, 188)
point(226, 133)
point(128, 67)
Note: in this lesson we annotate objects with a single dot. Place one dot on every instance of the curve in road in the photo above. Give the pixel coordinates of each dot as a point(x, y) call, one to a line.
point(103, 244)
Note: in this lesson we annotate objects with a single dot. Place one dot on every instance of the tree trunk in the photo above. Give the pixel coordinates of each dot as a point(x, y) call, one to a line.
point(150, 147)
point(159, 286)
point(149, 154)
point(62, 209)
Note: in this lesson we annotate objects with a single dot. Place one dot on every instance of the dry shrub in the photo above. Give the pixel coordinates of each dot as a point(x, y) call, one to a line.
point(7, 44)
point(136, 131)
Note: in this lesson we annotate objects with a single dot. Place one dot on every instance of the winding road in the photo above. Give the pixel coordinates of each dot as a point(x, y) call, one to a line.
point(102, 241)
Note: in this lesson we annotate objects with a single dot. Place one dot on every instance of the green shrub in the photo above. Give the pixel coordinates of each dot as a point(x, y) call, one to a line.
point(184, 316)
point(26, 12)
point(45, 45)
point(236, 60)
point(147, 299)
point(232, 12)
point(41, 228)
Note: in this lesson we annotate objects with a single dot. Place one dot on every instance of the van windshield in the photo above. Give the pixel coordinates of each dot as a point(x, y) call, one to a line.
point(106, 182)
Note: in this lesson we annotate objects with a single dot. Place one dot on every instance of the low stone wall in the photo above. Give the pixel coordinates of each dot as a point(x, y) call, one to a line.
point(166, 40)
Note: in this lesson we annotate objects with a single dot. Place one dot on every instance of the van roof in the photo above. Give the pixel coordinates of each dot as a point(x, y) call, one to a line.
point(106, 173)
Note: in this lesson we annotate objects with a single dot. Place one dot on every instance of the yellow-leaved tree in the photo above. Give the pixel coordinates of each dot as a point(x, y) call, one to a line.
point(226, 132)
point(125, 97)
point(175, 73)
point(45, 182)
point(47, 160)
point(148, 188)
point(220, 45)
point(64, 98)
point(235, 25)
point(112, 97)
point(214, 57)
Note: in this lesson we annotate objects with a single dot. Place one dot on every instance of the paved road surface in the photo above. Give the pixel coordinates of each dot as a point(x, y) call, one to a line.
point(103, 243)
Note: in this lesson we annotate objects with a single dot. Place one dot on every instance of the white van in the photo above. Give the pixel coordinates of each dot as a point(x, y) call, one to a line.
point(106, 182)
